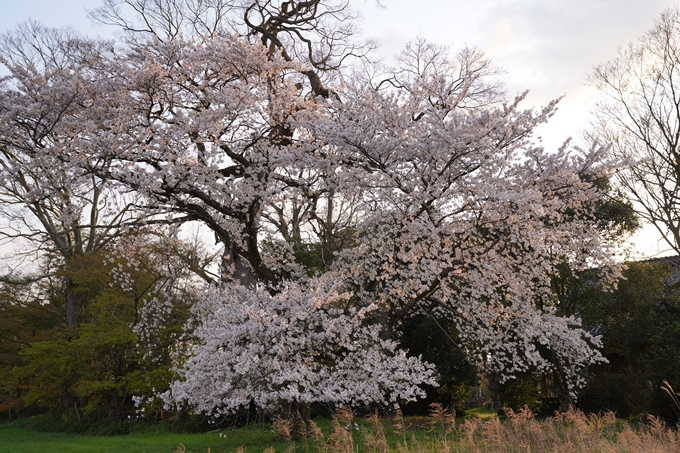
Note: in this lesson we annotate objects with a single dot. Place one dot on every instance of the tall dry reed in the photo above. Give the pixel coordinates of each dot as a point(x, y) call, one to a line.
point(571, 431)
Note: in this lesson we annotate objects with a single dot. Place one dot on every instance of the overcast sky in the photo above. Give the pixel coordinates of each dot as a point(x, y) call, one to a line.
point(546, 46)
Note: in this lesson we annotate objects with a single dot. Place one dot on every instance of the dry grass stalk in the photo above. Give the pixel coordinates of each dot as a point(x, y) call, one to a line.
point(492, 432)
point(314, 432)
point(285, 429)
point(443, 418)
point(673, 395)
point(470, 429)
point(374, 439)
point(341, 439)
point(571, 431)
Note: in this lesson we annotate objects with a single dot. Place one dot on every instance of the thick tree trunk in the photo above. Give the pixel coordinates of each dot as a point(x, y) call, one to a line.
point(235, 268)
point(564, 397)
point(71, 318)
point(494, 391)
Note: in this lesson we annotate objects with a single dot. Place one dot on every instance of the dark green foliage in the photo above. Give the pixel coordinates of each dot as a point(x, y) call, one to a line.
point(614, 213)
point(520, 392)
point(312, 256)
point(435, 338)
point(24, 319)
point(316, 257)
point(640, 328)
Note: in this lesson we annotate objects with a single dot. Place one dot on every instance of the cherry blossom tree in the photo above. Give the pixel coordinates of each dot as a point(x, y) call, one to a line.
point(416, 183)
point(298, 346)
point(465, 209)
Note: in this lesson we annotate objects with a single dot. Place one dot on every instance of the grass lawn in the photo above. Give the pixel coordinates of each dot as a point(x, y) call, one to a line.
point(571, 431)
point(255, 439)
point(18, 440)
point(482, 412)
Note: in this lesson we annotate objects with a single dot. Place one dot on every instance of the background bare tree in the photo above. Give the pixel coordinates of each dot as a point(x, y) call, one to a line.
point(639, 115)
